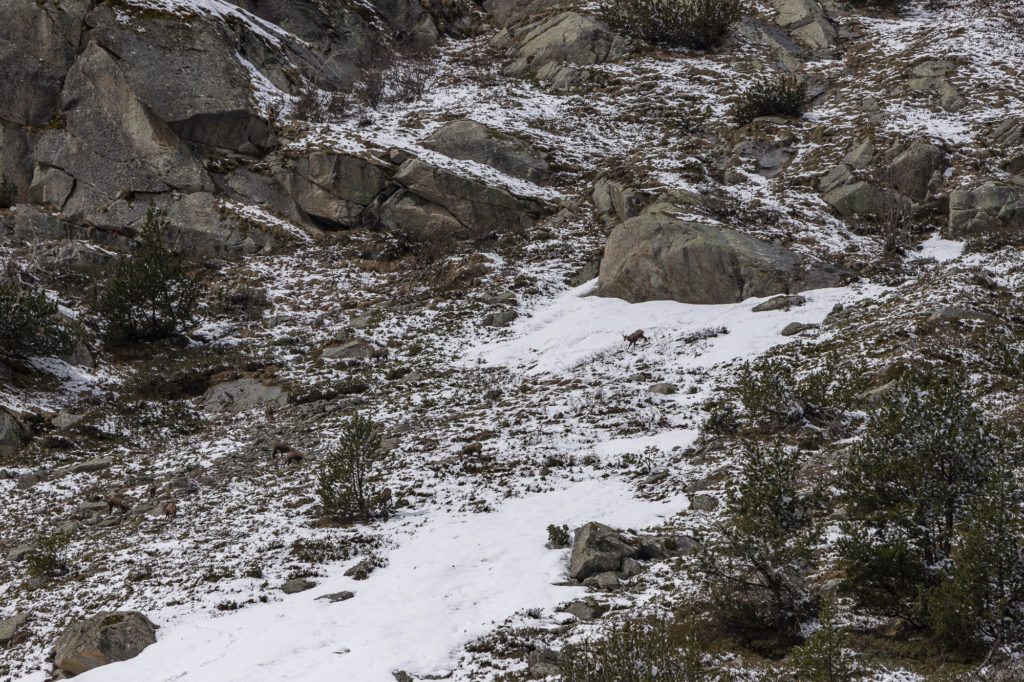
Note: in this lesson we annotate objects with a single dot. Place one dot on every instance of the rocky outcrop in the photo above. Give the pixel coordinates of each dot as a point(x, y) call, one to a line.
point(474, 141)
point(12, 434)
point(505, 12)
point(806, 22)
point(615, 201)
point(856, 198)
point(932, 76)
point(242, 394)
point(13, 628)
point(553, 50)
point(439, 205)
point(657, 256)
point(918, 170)
point(334, 189)
point(597, 549)
point(989, 207)
point(105, 638)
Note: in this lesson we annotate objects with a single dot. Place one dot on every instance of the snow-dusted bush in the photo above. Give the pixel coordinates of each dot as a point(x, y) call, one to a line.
point(49, 556)
point(31, 324)
point(649, 650)
point(754, 571)
point(699, 24)
point(935, 506)
point(783, 95)
point(349, 479)
point(151, 294)
point(823, 657)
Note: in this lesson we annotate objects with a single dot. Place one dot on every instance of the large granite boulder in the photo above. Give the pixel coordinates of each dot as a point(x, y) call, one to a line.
point(596, 549)
point(856, 198)
point(553, 49)
point(335, 189)
point(434, 201)
point(918, 170)
point(989, 207)
point(105, 638)
point(658, 256)
point(806, 22)
point(469, 140)
point(12, 433)
point(505, 12)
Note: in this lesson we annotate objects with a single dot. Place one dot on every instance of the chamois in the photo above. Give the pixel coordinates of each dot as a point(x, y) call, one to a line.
point(115, 502)
point(294, 457)
point(638, 335)
point(472, 448)
point(279, 448)
point(151, 490)
point(170, 510)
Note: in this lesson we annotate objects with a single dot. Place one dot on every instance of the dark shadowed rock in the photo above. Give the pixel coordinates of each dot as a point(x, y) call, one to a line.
point(12, 434)
point(296, 585)
point(505, 12)
point(105, 638)
point(657, 256)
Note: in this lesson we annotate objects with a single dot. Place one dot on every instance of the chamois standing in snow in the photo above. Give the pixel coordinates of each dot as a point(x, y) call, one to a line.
point(638, 335)
point(115, 502)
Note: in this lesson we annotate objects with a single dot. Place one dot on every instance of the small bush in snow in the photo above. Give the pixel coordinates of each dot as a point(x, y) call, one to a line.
point(784, 95)
point(754, 572)
point(31, 324)
point(651, 650)
point(151, 294)
point(349, 479)
point(936, 531)
point(558, 536)
point(49, 557)
point(699, 24)
point(823, 658)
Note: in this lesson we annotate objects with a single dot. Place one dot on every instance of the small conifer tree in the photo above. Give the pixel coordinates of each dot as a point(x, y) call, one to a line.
point(348, 480)
point(822, 658)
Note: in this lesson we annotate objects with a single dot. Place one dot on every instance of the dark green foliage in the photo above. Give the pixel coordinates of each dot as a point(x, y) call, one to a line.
point(783, 95)
point(773, 396)
point(8, 192)
point(755, 574)
point(558, 536)
point(700, 24)
point(935, 512)
point(151, 295)
point(652, 650)
point(49, 557)
point(30, 324)
point(822, 657)
point(348, 480)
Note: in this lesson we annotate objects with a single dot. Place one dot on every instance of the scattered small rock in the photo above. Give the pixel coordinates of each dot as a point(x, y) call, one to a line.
point(779, 303)
point(543, 662)
point(663, 388)
point(585, 609)
point(794, 328)
point(704, 502)
point(296, 585)
point(337, 596)
point(609, 580)
point(362, 570)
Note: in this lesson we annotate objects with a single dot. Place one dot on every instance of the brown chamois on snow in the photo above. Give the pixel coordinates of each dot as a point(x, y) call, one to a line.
point(170, 510)
point(472, 448)
point(384, 499)
point(279, 448)
point(294, 457)
point(638, 335)
point(115, 502)
point(151, 490)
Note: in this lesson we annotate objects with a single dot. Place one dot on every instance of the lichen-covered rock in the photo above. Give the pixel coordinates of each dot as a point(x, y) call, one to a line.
point(335, 189)
point(242, 394)
point(469, 140)
point(597, 549)
point(918, 169)
point(552, 49)
point(988, 207)
point(856, 198)
point(806, 22)
point(105, 638)
point(11, 628)
point(658, 256)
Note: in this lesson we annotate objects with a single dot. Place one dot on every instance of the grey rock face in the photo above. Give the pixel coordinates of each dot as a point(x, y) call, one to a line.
point(476, 208)
point(12, 434)
point(612, 199)
point(242, 394)
point(19, 553)
point(656, 256)
point(105, 638)
point(663, 389)
point(505, 12)
point(10, 627)
point(597, 549)
point(806, 22)
point(474, 141)
point(335, 189)
point(794, 328)
point(704, 502)
point(913, 172)
point(356, 348)
point(988, 207)
point(858, 198)
point(552, 49)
